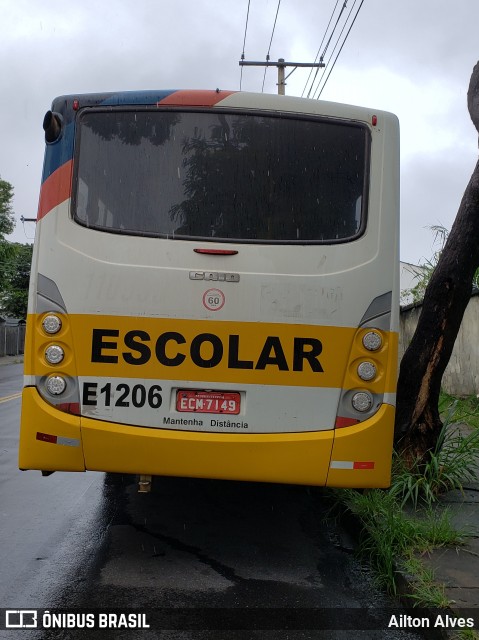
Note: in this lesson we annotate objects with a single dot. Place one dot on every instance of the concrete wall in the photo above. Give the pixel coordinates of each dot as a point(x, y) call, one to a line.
point(461, 377)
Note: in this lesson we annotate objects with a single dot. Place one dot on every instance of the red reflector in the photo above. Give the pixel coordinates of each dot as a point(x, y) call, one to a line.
point(69, 407)
point(76, 105)
point(46, 437)
point(374, 120)
point(217, 252)
point(345, 422)
point(363, 465)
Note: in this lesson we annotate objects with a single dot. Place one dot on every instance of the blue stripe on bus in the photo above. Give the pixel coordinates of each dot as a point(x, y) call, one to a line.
point(137, 97)
point(62, 151)
point(59, 152)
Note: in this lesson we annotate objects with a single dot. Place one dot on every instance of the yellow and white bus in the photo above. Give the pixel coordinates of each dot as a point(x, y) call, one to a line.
point(214, 289)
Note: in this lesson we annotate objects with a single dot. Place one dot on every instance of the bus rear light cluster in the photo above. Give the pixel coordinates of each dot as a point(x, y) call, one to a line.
point(56, 385)
point(54, 354)
point(367, 371)
point(362, 401)
point(363, 387)
point(51, 324)
point(372, 341)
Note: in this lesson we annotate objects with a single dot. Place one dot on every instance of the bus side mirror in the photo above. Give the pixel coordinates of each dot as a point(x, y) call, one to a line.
point(52, 125)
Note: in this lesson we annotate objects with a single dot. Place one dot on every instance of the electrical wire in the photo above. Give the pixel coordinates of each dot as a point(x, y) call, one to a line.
point(270, 42)
point(317, 54)
point(244, 43)
point(344, 42)
point(332, 32)
point(326, 66)
point(343, 8)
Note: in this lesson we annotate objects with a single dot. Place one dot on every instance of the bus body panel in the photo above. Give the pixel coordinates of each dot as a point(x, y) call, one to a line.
point(321, 288)
point(279, 326)
point(314, 458)
point(51, 440)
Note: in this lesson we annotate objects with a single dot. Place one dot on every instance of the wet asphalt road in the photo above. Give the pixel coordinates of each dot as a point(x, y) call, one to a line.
point(92, 541)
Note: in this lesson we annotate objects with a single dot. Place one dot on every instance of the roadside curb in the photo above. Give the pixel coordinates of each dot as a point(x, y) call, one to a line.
point(405, 585)
point(405, 588)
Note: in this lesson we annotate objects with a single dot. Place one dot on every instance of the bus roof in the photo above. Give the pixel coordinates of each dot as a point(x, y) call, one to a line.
point(210, 98)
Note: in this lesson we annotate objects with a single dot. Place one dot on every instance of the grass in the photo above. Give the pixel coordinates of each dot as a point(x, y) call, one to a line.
point(467, 634)
point(465, 410)
point(391, 538)
point(426, 589)
point(453, 463)
point(401, 523)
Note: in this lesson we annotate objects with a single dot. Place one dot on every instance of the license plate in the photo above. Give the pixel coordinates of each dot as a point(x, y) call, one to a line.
point(208, 401)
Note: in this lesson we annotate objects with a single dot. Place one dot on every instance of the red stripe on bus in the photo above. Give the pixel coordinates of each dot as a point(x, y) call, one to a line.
point(342, 422)
point(197, 98)
point(46, 437)
point(69, 407)
point(56, 189)
point(363, 465)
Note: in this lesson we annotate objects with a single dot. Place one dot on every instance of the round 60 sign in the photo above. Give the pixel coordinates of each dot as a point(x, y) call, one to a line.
point(214, 299)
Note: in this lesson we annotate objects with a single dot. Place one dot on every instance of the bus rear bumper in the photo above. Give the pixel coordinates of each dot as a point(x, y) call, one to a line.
point(50, 440)
point(362, 454)
point(285, 458)
point(358, 456)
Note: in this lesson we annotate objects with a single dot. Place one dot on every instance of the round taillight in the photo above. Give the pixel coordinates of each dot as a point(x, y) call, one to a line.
point(372, 341)
point(51, 324)
point(362, 401)
point(54, 354)
point(56, 385)
point(367, 371)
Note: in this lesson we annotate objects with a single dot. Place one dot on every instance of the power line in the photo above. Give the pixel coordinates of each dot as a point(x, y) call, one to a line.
point(334, 29)
point(343, 8)
point(344, 42)
point(327, 34)
point(335, 47)
point(274, 27)
point(281, 66)
point(244, 42)
point(270, 42)
point(317, 54)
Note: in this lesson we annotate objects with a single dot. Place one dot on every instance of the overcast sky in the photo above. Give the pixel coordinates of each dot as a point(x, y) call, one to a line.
point(411, 57)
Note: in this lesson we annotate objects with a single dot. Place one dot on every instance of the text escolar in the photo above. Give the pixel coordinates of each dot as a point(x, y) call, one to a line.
point(205, 350)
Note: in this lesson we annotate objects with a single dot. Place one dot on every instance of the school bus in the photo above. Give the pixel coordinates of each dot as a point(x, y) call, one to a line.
point(214, 289)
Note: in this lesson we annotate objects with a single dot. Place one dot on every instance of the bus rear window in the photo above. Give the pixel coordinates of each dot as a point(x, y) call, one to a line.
point(221, 176)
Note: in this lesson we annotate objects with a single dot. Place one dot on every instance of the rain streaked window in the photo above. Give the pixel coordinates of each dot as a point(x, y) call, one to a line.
point(221, 176)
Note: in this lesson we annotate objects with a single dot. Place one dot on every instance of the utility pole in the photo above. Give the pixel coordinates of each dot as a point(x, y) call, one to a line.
point(281, 65)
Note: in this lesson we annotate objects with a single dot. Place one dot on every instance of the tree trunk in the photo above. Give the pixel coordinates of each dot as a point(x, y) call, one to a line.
point(417, 417)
